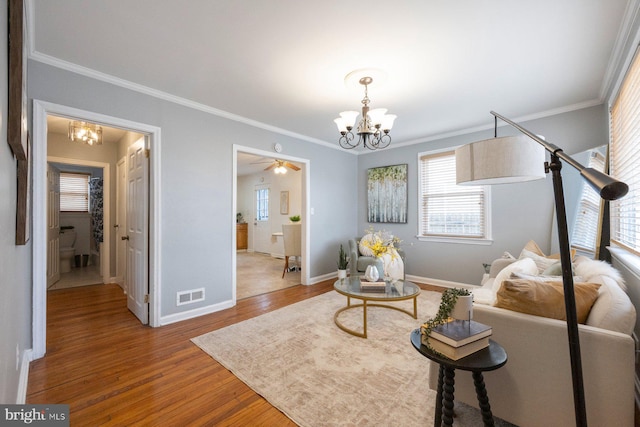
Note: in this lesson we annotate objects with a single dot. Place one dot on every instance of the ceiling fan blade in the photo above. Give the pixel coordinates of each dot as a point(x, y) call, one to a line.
point(271, 166)
point(291, 166)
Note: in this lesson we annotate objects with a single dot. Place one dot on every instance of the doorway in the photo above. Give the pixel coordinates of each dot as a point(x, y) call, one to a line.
point(90, 264)
point(272, 260)
point(41, 110)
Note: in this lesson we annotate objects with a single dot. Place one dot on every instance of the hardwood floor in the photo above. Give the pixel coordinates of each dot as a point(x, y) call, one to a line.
point(112, 370)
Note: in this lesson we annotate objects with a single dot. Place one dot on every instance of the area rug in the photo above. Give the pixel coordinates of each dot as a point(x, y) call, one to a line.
point(318, 375)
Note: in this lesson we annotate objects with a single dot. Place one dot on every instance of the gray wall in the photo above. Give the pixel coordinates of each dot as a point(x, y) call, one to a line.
point(196, 182)
point(520, 212)
point(15, 261)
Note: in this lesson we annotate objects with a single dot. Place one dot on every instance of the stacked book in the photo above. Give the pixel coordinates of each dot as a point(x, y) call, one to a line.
point(458, 338)
point(377, 286)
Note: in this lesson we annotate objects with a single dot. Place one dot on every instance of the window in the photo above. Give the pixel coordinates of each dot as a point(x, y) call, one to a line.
point(625, 160)
point(585, 232)
point(262, 204)
point(449, 211)
point(74, 192)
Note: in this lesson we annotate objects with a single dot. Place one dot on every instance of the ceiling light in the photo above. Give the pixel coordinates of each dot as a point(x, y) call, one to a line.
point(373, 128)
point(86, 133)
point(280, 170)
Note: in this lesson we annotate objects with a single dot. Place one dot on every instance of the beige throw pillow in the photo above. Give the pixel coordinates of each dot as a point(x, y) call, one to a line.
point(545, 299)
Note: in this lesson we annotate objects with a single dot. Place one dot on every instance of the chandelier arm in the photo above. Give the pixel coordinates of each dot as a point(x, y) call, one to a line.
point(345, 141)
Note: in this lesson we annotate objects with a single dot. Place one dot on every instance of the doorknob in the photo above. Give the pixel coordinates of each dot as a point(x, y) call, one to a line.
point(125, 237)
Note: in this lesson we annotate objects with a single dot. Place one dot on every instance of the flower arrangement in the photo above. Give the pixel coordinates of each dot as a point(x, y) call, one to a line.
point(381, 242)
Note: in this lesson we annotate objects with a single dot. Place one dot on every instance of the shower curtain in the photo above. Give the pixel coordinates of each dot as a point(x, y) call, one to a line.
point(96, 201)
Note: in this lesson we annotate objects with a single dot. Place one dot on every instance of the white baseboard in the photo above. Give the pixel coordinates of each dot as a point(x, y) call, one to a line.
point(318, 279)
point(23, 380)
point(196, 312)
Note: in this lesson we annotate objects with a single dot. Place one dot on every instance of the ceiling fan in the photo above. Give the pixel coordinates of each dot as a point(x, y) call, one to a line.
point(280, 166)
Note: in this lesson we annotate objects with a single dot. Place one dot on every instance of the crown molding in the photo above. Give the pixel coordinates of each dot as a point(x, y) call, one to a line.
point(107, 78)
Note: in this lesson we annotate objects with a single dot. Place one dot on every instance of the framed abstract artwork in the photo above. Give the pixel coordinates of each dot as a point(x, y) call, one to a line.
point(387, 194)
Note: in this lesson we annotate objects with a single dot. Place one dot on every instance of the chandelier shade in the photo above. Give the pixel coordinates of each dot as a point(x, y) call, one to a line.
point(373, 128)
point(85, 133)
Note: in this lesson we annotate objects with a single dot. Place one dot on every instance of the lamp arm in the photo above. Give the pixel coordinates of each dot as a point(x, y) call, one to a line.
point(607, 187)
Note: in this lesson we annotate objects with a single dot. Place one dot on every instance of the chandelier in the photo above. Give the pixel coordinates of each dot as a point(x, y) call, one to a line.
point(87, 133)
point(373, 128)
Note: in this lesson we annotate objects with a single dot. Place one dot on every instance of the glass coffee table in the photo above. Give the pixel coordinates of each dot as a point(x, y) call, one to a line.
point(399, 290)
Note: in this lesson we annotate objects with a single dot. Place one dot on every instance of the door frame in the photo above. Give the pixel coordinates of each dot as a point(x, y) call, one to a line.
point(106, 231)
point(39, 245)
point(304, 215)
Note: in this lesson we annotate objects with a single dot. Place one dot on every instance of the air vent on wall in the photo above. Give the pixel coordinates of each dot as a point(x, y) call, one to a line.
point(189, 297)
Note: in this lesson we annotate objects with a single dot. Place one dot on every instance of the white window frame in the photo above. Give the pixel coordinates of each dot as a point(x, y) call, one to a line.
point(443, 238)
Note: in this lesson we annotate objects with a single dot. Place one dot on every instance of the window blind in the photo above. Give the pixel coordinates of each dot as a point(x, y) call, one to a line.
point(625, 159)
point(447, 209)
point(74, 192)
point(585, 232)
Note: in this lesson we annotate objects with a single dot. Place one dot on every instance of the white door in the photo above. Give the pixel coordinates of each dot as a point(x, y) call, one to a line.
point(120, 225)
point(53, 225)
point(136, 271)
point(261, 226)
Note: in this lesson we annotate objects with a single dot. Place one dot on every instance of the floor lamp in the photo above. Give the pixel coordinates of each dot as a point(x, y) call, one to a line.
point(517, 159)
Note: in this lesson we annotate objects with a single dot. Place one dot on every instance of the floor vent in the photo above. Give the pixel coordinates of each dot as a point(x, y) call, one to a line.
point(189, 297)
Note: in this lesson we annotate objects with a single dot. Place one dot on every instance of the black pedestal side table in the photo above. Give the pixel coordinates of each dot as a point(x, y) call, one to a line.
point(487, 359)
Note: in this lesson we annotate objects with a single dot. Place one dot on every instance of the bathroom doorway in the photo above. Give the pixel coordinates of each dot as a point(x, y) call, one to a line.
point(287, 197)
point(41, 111)
point(84, 262)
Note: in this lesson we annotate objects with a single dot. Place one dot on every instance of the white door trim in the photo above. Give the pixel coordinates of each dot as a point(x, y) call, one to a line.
point(305, 214)
point(39, 245)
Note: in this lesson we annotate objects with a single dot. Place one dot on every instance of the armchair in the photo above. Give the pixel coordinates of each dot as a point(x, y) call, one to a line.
point(358, 263)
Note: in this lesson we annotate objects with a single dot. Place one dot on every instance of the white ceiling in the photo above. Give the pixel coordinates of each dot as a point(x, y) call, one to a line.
point(282, 62)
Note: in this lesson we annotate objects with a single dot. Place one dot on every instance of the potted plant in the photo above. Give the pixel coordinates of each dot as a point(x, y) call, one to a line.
point(343, 261)
point(450, 298)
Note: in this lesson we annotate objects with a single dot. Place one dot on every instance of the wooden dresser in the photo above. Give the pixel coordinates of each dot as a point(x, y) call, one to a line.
point(242, 236)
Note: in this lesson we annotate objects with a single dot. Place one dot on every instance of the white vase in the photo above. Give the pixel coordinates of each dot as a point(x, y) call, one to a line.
point(342, 274)
point(371, 273)
point(463, 309)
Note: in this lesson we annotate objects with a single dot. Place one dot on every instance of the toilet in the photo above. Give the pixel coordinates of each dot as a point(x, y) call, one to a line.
point(67, 240)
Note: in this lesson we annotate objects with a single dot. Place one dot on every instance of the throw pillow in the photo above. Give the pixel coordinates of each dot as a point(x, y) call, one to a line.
point(554, 269)
point(525, 265)
point(542, 262)
point(364, 250)
point(545, 299)
point(591, 268)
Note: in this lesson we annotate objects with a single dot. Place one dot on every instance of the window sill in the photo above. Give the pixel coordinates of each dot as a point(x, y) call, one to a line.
point(626, 258)
point(456, 240)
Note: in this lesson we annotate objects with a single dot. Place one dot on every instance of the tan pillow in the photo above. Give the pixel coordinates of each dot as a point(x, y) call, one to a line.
point(545, 299)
